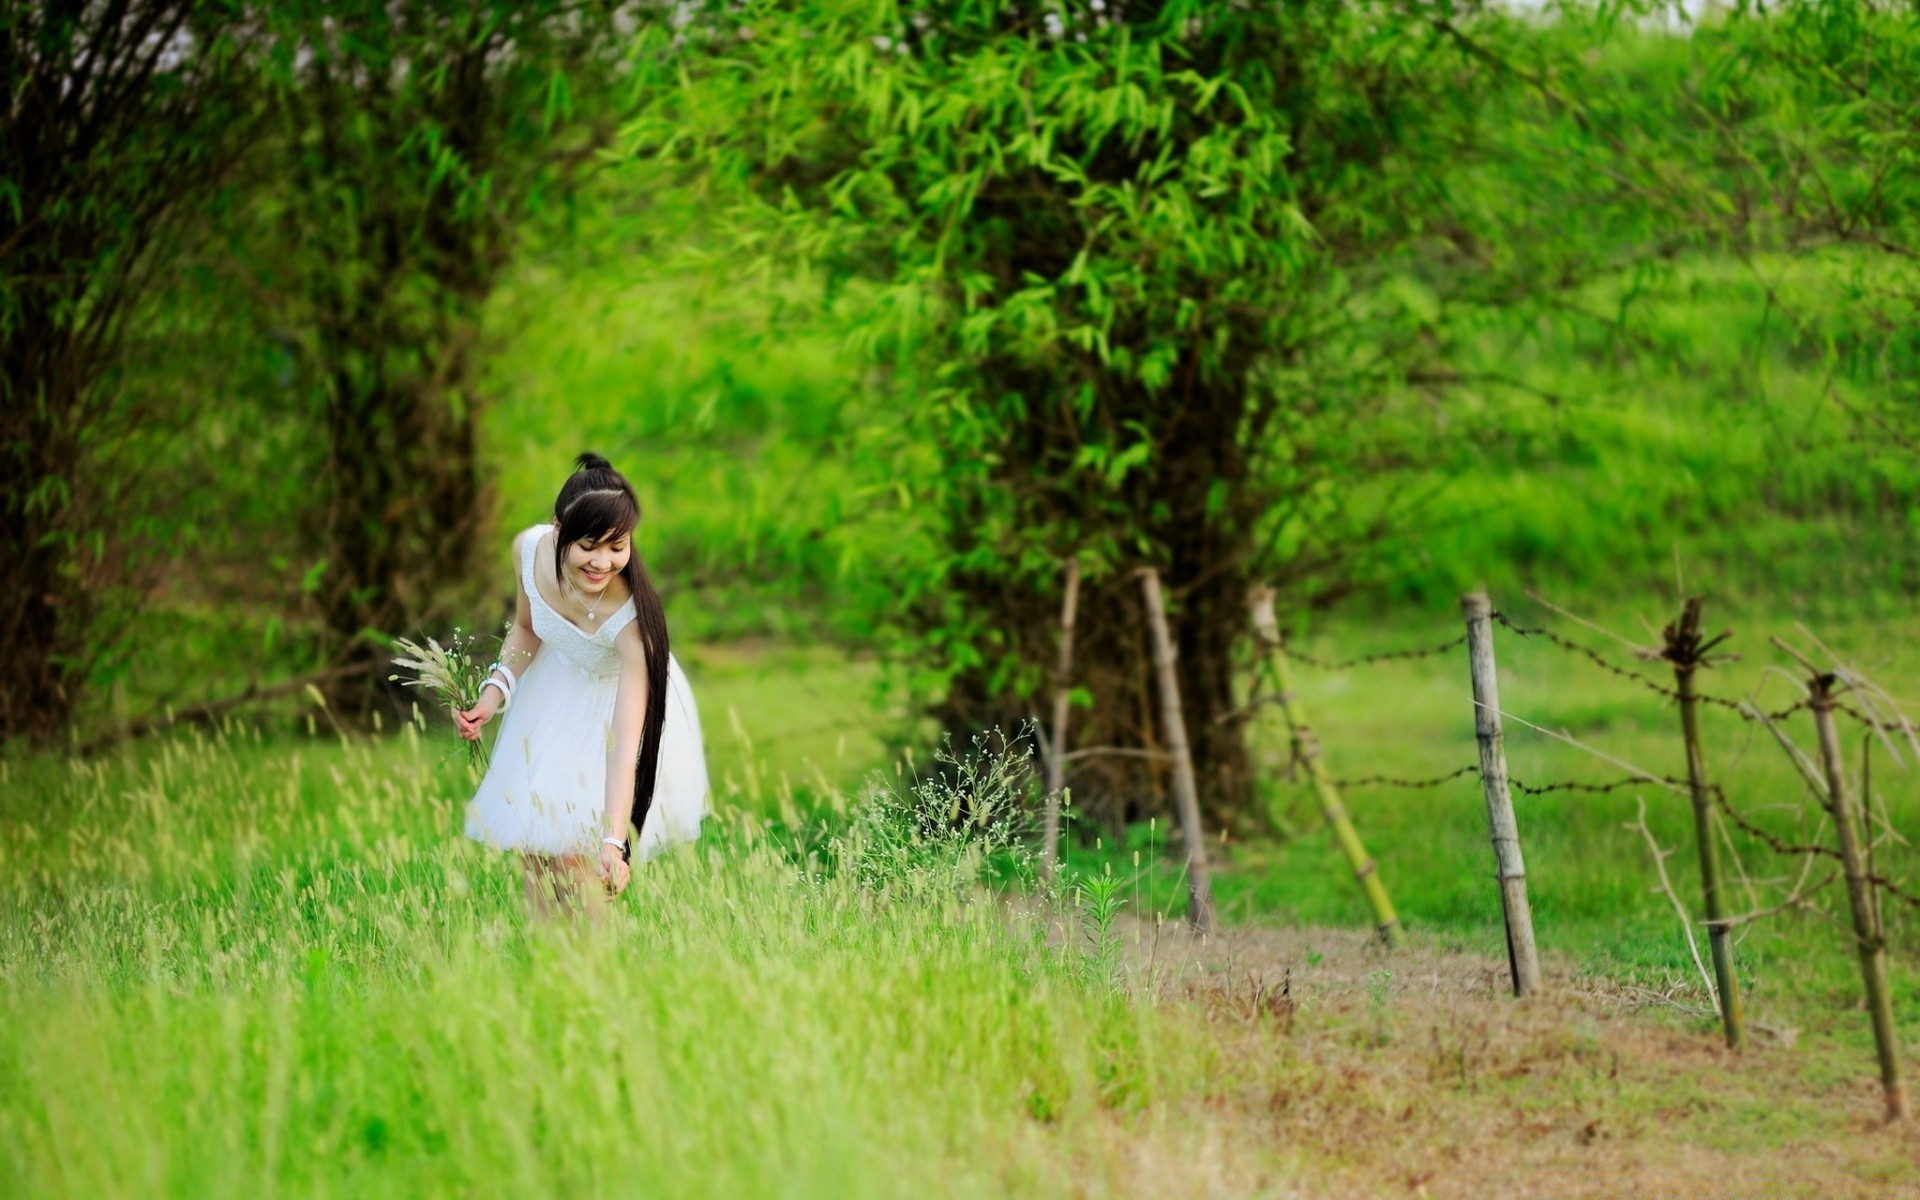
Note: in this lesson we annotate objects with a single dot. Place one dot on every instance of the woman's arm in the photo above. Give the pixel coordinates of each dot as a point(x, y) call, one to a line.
point(623, 752)
point(516, 652)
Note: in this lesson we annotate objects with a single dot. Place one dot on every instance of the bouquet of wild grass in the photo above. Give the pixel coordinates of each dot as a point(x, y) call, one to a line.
point(452, 674)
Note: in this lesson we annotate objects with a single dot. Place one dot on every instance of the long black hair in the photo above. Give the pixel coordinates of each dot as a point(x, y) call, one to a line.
point(597, 504)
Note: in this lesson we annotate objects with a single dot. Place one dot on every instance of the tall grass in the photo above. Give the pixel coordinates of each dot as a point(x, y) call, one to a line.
point(233, 967)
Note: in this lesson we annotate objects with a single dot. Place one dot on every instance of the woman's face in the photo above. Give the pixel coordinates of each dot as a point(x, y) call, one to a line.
point(593, 564)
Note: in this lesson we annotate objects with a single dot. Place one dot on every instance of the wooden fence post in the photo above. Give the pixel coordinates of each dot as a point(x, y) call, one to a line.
point(1686, 651)
point(1868, 938)
point(1186, 793)
point(1062, 687)
point(1306, 750)
point(1522, 958)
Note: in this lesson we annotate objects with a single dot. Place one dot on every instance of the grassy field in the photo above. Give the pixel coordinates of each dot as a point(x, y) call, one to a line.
point(262, 963)
point(253, 965)
point(236, 968)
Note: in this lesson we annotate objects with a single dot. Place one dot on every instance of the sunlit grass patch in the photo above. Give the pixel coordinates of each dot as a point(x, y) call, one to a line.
point(239, 968)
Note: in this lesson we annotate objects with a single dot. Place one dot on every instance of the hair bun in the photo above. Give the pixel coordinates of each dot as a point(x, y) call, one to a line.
point(591, 462)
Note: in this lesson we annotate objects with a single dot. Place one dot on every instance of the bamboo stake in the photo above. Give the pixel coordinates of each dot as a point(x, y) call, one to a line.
point(1685, 651)
point(1062, 690)
point(1186, 793)
point(1306, 749)
point(1523, 958)
point(1868, 825)
point(1867, 939)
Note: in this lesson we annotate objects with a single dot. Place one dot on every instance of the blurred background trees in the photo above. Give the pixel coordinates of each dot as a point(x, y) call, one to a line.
point(409, 144)
point(890, 310)
point(1154, 268)
point(118, 121)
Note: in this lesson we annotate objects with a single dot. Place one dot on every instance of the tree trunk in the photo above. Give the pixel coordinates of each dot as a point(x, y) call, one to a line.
point(404, 508)
point(1114, 661)
point(1209, 629)
point(1205, 547)
point(43, 614)
point(108, 144)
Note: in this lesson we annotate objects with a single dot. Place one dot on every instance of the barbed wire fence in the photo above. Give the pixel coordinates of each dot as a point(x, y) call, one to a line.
point(1858, 832)
point(1685, 650)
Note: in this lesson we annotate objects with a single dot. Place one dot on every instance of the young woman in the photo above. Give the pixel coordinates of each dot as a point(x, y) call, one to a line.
point(600, 731)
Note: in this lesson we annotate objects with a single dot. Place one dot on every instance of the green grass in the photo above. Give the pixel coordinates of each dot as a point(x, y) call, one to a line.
point(787, 726)
point(1705, 432)
point(239, 963)
point(240, 967)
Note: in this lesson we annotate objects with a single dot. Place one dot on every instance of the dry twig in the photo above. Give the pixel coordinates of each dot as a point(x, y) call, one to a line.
point(1660, 856)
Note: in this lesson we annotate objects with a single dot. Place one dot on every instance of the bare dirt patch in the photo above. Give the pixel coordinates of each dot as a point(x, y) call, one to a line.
point(1416, 1073)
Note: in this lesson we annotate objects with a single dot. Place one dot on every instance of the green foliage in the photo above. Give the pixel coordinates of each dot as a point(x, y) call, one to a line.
point(1099, 900)
point(1819, 105)
point(411, 142)
point(1571, 467)
point(1138, 261)
point(1095, 223)
point(1580, 298)
point(106, 144)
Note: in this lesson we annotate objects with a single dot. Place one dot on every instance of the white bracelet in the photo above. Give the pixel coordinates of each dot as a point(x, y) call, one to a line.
point(506, 693)
point(616, 843)
point(506, 683)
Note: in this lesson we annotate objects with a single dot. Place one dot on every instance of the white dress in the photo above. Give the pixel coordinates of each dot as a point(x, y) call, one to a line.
point(545, 787)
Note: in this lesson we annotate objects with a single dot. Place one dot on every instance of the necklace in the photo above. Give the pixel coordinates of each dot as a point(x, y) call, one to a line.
point(592, 610)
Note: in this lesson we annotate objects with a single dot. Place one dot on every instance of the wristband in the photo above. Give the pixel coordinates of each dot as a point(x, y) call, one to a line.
point(503, 680)
point(619, 842)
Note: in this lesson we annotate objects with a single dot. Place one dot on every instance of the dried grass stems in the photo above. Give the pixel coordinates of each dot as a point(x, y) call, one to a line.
point(452, 674)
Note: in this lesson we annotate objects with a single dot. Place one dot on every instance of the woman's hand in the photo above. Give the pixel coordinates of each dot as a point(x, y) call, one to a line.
point(614, 869)
point(470, 721)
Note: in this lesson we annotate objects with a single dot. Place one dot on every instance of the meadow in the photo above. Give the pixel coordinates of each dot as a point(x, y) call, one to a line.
point(246, 962)
point(261, 961)
point(1374, 305)
point(242, 968)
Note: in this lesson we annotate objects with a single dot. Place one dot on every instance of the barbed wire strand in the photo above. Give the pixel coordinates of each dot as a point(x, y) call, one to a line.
point(1537, 631)
point(1773, 842)
point(1645, 681)
point(1362, 660)
point(1406, 784)
point(1776, 844)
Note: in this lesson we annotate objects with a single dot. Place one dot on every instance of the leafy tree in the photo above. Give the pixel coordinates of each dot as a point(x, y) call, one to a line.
point(1774, 144)
point(1156, 263)
point(116, 119)
point(412, 142)
point(1814, 115)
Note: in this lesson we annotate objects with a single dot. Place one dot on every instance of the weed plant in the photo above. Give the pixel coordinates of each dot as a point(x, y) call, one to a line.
point(934, 835)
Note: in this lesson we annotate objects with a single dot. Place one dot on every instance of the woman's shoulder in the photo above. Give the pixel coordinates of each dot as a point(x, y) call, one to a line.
point(526, 545)
point(628, 640)
point(528, 538)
